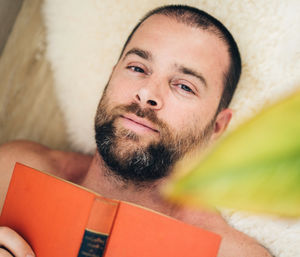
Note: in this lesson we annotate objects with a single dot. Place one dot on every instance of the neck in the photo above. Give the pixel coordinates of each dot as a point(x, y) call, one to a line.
point(103, 181)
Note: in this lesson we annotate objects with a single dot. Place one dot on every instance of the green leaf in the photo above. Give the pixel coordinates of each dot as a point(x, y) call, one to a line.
point(255, 168)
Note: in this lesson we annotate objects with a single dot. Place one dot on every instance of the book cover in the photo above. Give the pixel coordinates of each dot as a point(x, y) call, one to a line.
point(58, 218)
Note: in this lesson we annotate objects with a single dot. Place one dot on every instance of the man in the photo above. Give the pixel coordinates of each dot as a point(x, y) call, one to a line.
point(166, 97)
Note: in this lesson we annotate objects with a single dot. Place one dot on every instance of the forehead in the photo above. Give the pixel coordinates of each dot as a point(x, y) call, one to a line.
point(173, 42)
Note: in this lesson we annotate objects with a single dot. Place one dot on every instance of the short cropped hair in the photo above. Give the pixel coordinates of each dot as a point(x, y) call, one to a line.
point(197, 18)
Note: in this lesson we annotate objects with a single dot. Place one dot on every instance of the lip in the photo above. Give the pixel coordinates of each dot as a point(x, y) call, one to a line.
point(140, 122)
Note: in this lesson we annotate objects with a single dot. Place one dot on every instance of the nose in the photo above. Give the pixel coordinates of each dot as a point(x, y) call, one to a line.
point(149, 97)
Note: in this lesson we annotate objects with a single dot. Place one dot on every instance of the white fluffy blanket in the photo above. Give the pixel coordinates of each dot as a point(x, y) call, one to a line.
point(84, 39)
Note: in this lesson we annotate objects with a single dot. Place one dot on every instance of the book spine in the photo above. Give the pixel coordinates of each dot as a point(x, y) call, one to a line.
point(93, 244)
point(99, 226)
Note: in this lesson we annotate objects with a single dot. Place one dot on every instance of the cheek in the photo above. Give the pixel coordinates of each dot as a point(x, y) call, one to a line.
point(179, 118)
point(119, 92)
point(187, 118)
point(122, 88)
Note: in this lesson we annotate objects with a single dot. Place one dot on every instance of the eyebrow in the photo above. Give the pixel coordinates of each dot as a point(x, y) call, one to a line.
point(139, 52)
point(182, 69)
point(189, 71)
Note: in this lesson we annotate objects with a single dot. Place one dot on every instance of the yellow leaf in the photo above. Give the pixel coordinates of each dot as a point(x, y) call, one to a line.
point(254, 168)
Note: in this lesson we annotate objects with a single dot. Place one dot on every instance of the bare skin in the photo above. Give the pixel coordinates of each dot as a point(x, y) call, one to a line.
point(154, 79)
point(74, 166)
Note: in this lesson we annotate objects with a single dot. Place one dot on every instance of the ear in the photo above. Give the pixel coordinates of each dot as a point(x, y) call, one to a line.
point(221, 123)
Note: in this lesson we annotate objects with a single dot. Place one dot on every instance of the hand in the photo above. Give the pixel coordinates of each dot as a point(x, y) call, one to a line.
point(12, 244)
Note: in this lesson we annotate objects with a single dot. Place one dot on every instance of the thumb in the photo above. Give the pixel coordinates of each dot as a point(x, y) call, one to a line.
point(12, 241)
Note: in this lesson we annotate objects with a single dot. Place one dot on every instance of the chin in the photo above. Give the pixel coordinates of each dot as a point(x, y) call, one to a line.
point(131, 157)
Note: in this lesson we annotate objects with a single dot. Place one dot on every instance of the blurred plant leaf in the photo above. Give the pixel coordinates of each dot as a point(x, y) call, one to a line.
point(255, 168)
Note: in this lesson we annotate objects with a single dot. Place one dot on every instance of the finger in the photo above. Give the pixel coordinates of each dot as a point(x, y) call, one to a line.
point(14, 242)
point(4, 253)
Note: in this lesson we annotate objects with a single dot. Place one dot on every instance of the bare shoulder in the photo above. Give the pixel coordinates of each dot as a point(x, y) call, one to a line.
point(234, 242)
point(67, 165)
point(28, 153)
point(25, 152)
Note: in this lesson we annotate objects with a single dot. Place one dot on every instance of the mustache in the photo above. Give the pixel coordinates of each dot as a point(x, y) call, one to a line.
point(136, 109)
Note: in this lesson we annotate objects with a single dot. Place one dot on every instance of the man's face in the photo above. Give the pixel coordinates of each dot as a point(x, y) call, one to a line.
point(162, 98)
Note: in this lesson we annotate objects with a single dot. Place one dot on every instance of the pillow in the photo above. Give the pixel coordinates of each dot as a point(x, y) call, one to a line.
point(84, 40)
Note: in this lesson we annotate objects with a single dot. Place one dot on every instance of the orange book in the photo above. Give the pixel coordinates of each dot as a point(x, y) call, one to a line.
point(61, 219)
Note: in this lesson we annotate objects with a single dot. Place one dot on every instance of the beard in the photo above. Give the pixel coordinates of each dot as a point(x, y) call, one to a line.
point(128, 156)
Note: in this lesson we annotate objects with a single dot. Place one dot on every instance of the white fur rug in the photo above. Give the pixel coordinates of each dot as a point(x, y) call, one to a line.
point(84, 39)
